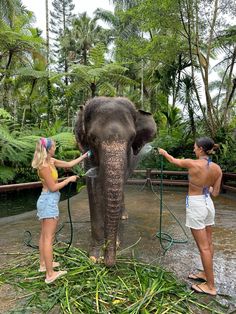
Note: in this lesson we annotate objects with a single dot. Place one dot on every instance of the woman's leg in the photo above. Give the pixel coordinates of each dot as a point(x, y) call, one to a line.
point(41, 257)
point(201, 274)
point(204, 243)
point(48, 233)
point(209, 237)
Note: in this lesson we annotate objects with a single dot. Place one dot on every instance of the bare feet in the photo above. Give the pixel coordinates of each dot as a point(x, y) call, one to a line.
point(42, 268)
point(56, 275)
point(96, 253)
point(198, 276)
point(203, 288)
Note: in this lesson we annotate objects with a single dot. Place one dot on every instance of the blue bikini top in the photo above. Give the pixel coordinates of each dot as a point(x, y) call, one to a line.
point(205, 189)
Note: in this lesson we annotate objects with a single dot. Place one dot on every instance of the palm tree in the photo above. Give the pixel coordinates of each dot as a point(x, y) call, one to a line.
point(84, 35)
point(226, 68)
point(224, 100)
point(30, 83)
point(18, 43)
point(99, 78)
point(187, 99)
point(49, 109)
point(202, 32)
point(9, 9)
point(173, 117)
point(124, 4)
point(119, 28)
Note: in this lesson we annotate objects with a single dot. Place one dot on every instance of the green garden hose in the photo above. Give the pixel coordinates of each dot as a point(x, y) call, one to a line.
point(163, 236)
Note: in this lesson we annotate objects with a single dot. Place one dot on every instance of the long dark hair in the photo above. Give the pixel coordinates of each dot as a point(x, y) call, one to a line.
point(207, 144)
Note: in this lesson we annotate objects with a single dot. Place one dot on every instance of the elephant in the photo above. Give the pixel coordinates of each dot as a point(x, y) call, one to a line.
point(114, 131)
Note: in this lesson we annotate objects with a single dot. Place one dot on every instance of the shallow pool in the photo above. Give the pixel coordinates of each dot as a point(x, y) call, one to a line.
point(18, 202)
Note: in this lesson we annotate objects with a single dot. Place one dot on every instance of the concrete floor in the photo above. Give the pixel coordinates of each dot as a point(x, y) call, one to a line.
point(143, 224)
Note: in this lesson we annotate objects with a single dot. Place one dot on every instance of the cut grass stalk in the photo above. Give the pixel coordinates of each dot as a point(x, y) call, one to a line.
point(129, 287)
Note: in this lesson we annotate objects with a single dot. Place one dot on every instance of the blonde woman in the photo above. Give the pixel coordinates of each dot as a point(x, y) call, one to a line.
point(47, 204)
point(204, 180)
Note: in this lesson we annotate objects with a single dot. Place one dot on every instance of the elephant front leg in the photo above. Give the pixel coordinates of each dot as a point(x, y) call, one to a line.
point(97, 219)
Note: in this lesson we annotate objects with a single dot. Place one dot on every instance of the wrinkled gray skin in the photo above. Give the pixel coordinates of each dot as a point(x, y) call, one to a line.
point(115, 132)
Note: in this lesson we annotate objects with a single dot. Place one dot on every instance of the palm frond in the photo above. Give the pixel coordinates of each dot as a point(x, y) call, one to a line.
point(4, 114)
point(65, 140)
point(97, 55)
point(6, 174)
point(12, 149)
point(106, 16)
point(29, 72)
point(107, 89)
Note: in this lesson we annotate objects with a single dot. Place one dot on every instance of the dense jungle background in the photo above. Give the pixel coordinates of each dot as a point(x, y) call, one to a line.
point(174, 58)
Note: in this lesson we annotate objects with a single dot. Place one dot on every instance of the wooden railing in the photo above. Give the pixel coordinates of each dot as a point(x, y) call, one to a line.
point(22, 186)
point(148, 176)
point(153, 176)
point(176, 178)
point(229, 182)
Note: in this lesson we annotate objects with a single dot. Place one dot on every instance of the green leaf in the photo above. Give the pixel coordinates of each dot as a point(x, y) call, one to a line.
point(6, 174)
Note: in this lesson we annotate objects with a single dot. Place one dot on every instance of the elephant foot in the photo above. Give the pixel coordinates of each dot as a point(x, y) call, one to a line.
point(96, 254)
point(110, 258)
point(109, 262)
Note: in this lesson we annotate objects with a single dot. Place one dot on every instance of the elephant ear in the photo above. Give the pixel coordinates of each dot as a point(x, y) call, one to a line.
point(145, 130)
point(80, 130)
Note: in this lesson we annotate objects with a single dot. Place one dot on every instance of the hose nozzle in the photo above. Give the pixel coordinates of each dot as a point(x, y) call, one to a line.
point(90, 153)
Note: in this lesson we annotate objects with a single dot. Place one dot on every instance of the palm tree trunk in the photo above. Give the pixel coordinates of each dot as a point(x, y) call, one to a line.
point(49, 109)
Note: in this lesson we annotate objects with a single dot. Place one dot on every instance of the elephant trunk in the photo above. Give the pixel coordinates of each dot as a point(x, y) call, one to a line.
point(114, 165)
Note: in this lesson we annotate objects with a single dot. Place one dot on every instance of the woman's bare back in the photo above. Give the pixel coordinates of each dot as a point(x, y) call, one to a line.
point(204, 174)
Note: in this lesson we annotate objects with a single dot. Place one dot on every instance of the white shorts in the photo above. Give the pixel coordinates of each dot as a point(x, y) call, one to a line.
point(200, 211)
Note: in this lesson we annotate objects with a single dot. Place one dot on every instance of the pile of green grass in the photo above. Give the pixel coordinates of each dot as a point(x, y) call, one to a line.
point(129, 287)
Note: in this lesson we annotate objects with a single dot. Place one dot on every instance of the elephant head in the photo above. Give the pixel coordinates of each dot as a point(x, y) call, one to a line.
point(115, 132)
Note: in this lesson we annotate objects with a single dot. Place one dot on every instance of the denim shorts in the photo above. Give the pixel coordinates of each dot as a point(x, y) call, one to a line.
point(47, 205)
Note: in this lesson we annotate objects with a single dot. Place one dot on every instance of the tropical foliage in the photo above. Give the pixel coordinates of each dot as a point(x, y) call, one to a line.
point(17, 148)
point(175, 58)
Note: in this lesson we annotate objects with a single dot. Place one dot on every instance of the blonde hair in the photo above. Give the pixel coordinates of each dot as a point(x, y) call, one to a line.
point(41, 153)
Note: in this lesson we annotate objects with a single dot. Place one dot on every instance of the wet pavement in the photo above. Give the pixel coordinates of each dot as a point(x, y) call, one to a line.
point(138, 235)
